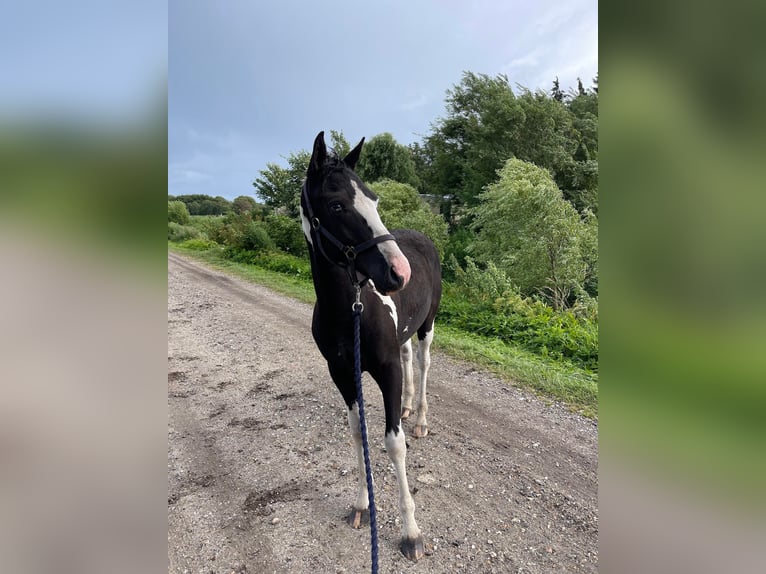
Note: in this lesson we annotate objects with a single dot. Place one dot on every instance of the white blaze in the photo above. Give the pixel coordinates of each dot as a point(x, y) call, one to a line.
point(368, 208)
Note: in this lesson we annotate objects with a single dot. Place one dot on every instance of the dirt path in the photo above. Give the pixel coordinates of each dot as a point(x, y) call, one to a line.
point(261, 471)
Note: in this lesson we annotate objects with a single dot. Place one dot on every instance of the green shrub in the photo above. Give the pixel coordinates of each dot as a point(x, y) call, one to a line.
point(271, 260)
point(255, 237)
point(485, 301)
point(198, 244)
point(177, 232)
point(457, 247)
point(178, 213)
point(400, 206)
point(287, 234)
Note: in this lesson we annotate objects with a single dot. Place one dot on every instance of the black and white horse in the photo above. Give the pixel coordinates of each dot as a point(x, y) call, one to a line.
point(401, 289)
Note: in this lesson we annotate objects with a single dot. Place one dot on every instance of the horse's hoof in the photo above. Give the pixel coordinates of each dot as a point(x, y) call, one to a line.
point(358, 517)
point(420, 431)
point(405, 413)
point(413, 548)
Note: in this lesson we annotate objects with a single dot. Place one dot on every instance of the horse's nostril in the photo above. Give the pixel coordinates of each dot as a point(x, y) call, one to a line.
point(398, 279)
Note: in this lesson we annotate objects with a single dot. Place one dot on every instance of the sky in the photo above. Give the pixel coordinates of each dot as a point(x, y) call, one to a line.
point(82, 59)
point(250, 82)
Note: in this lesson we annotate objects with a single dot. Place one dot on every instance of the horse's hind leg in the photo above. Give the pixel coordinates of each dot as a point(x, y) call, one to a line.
point(388, 377)
point(407, 374)
point(412, 540)
point(424, 362)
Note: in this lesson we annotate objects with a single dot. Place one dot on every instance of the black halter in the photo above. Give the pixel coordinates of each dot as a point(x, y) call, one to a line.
point(349, 251)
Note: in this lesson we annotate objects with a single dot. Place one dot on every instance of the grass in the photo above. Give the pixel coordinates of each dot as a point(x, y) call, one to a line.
point(301, 289)
point(576, 388)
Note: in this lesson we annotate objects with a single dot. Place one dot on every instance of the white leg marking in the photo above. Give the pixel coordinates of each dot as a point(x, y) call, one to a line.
point(407, 375)
point(397, 452)
point(362, 500)
point(424, 362)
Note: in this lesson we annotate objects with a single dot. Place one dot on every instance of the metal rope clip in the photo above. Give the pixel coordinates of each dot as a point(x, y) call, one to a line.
point(357, 306)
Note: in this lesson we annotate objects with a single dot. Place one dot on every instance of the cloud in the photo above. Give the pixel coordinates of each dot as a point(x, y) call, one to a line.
point(531, 59)
point(414, 103)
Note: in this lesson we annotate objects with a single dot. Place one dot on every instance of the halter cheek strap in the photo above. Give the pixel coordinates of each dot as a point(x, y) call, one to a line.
point(349, 251)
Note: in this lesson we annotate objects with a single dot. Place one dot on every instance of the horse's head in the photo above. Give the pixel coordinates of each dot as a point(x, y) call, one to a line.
point(339, 211)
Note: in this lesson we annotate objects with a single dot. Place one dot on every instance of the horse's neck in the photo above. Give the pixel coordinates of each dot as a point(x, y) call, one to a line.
point(331, 284)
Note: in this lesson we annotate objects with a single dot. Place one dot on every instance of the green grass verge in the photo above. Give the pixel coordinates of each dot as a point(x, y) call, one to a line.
point(551, 380)
point(574, 387)
point(301, 289)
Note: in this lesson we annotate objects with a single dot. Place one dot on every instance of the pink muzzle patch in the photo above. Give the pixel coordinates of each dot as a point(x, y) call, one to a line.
point(401, 267)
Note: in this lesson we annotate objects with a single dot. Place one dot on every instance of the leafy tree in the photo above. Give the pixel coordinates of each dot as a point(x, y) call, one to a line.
point(400, 206)
point(556, 92)
point(526, 227)
point(486, 123)
point(339, 143)
point(178, 213)
point(243, 204)
point(384, 158)
point(478, 133)
point(201, 204)
point(280, 187)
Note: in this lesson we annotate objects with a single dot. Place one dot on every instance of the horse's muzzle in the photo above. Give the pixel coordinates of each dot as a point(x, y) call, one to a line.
point(400, 271)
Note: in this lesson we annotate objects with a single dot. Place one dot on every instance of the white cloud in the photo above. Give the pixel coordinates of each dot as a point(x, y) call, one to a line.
point(414, 103)
point(531, 59)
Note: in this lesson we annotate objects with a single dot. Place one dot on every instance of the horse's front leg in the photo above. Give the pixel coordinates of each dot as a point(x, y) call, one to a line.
point(360, 513)
point(344, 380)
point(390, 381)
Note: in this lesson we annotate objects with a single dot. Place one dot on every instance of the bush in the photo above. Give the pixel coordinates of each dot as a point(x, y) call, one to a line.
point(287, 234)
point(271, 260)
point(198, 244)
point(401, 207)
point(177, 232)
point(178, 213)
point(255, 237)
point(486, 302)
point(524, 224)
point(457, 248)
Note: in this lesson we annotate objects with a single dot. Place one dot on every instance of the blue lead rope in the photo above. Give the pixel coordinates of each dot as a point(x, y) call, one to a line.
point(358, 307)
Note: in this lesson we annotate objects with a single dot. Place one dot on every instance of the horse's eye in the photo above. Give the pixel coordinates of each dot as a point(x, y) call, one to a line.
point(336, 207)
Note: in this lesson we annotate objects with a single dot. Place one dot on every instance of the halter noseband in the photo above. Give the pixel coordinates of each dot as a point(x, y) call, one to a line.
point(349, 251)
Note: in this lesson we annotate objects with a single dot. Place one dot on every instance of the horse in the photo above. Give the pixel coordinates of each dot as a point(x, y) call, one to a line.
point(399, 277)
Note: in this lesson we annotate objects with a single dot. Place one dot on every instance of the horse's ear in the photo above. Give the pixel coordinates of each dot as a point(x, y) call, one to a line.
point(353, 156)
point(318, 156)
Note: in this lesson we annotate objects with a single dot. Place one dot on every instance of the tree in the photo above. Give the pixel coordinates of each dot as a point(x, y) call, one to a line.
point(339, 144)
point(556, 92)
point(178, 213)
point(526, 227)
point(384, 158)
point(243, 204)
point(201, 204)
point(280, 187)
point(400, 206)
point(486, 123)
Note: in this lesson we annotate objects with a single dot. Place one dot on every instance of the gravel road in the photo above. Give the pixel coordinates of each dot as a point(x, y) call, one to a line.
point(261, 470)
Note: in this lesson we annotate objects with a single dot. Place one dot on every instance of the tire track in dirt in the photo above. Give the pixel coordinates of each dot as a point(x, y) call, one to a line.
point(261, 471)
